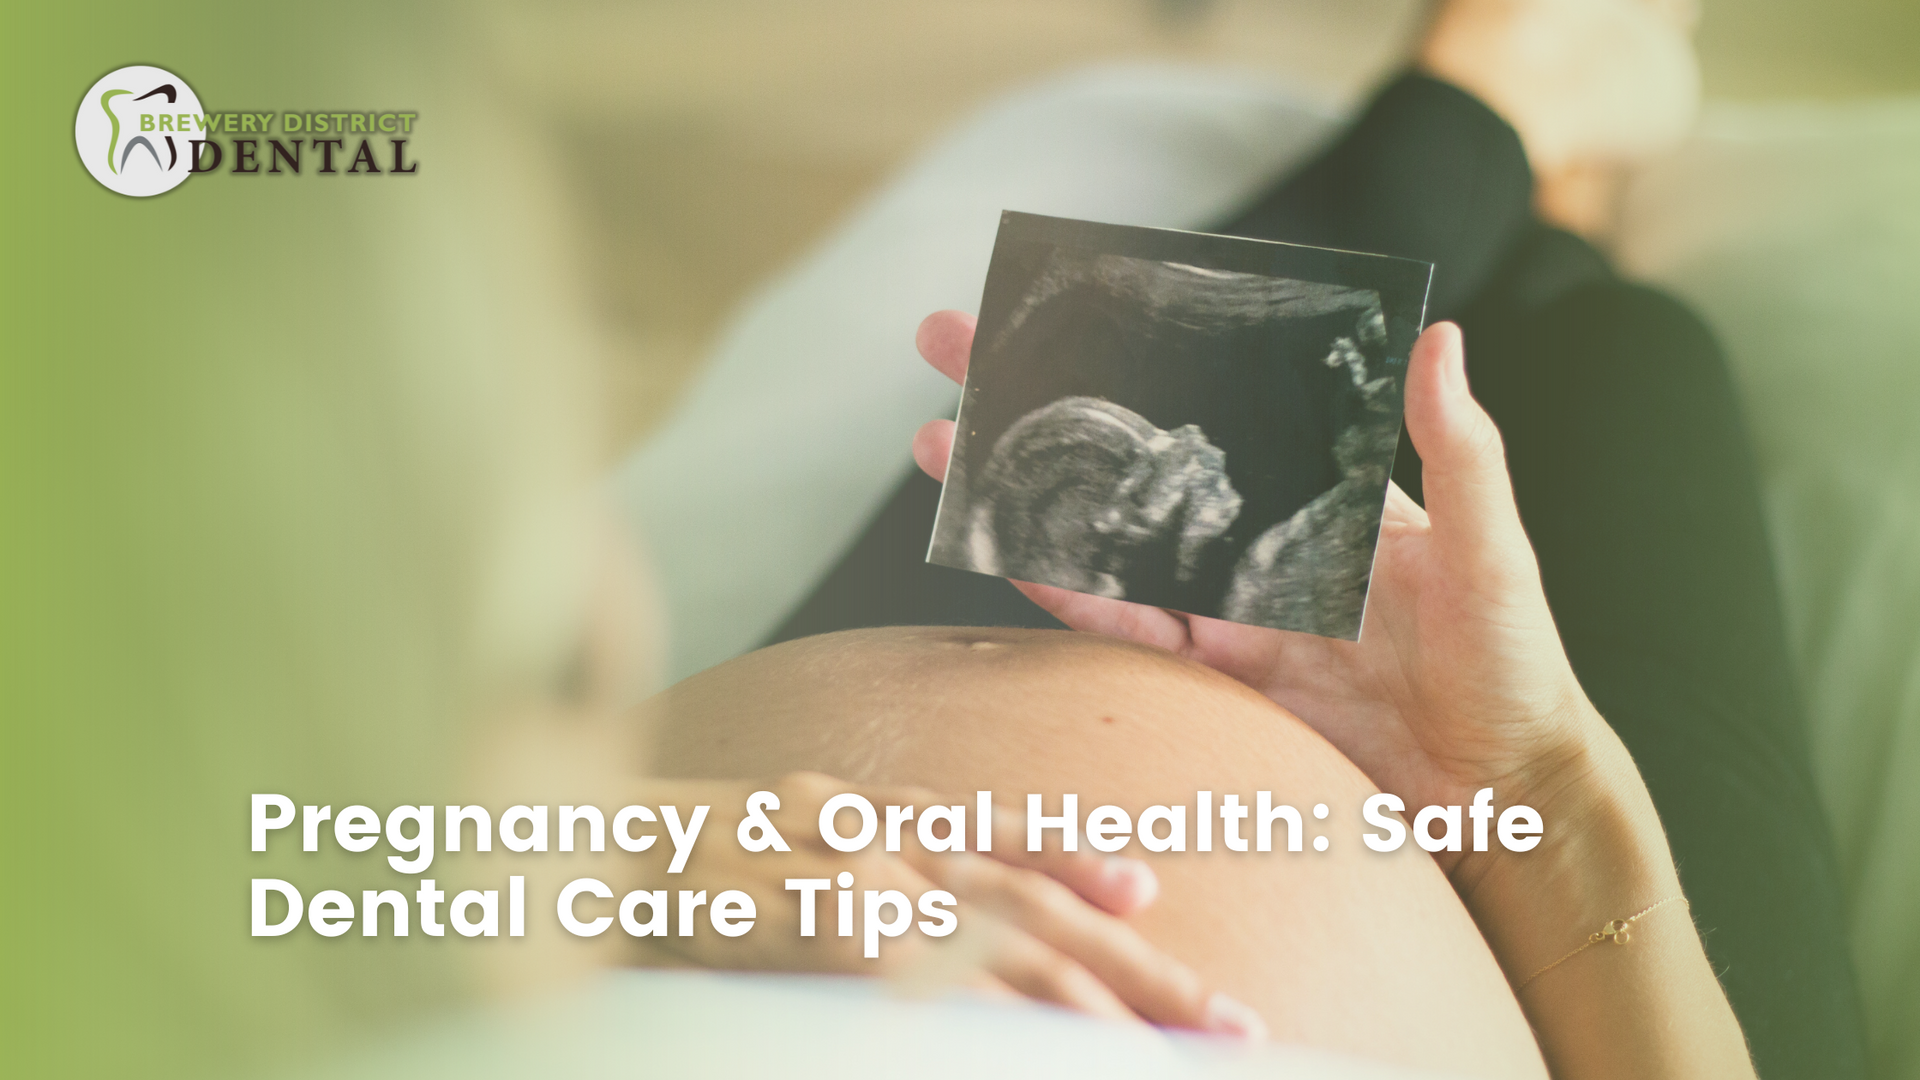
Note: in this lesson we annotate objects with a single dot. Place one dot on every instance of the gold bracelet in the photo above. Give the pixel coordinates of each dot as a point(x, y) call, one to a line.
point(1615, 930)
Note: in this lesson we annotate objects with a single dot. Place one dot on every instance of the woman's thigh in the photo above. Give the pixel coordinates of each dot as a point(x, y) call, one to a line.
point(1349, 949)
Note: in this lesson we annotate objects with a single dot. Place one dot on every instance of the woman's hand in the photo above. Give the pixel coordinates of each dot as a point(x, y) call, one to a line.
point(1458, 681)
point(1045, 925)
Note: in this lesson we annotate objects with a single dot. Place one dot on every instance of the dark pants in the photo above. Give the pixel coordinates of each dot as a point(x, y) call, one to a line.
point(1635, 482)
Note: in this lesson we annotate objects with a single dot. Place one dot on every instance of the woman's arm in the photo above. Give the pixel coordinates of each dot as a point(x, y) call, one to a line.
point(1458, 683)
point(1594, 932)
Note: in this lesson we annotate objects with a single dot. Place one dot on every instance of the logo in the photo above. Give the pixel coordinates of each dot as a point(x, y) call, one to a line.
point(135, 130)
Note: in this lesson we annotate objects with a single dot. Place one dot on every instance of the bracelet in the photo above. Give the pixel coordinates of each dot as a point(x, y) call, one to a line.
point(1615, 930)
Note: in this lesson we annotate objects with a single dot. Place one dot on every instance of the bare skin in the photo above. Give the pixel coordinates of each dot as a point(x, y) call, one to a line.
point(1459, 682)
point(1593, 87)
point(1351, 950)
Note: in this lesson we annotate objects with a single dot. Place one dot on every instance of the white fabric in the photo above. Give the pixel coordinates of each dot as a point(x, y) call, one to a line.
point(646, 1024)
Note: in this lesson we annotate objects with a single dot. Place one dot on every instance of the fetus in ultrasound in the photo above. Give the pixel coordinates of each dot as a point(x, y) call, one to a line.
point(1088, 495)
point(1199, 423)
point(1311, 570)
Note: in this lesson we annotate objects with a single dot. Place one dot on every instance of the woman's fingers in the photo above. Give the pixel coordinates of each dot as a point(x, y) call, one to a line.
point(932, 446)
point(1112, 883)
point(1469, 497)
point(1049, 934)
point(1088, 945)
point(945, 339)
point(1114, 618)
point(1036, 970)
point(1242, 652)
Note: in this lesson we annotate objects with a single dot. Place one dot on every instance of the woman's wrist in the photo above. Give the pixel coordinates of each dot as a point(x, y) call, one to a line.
point(1602, 873)
point(1602, 855)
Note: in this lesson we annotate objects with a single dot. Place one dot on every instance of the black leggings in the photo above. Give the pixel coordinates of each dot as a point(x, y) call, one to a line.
point(1635, 482)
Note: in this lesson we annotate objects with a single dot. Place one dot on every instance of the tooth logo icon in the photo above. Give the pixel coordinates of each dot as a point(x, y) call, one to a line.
point(135, 129)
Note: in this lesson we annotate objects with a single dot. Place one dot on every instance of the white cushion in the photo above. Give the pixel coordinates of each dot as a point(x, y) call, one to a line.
point(716, 1024)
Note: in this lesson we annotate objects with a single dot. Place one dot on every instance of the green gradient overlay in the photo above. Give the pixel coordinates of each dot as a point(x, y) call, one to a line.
point(205, 585)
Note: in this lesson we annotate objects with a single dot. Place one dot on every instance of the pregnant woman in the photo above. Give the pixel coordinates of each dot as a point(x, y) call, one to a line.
point(1630, 681)
point(1459, 683)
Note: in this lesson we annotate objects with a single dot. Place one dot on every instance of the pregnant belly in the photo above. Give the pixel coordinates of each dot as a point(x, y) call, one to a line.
point(1344, 948)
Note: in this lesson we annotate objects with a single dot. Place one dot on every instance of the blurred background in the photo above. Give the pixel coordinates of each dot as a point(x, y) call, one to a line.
point(301, 479)
point(704, 146)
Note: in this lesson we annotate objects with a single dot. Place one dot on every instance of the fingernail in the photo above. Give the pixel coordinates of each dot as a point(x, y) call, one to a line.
point(1226, 1016)
point(1133, 883)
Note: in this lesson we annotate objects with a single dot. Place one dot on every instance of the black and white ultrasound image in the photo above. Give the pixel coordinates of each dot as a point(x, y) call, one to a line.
point(1195, 422)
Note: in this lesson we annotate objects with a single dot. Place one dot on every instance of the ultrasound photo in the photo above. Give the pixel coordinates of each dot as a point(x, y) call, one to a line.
point(1202, 423)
